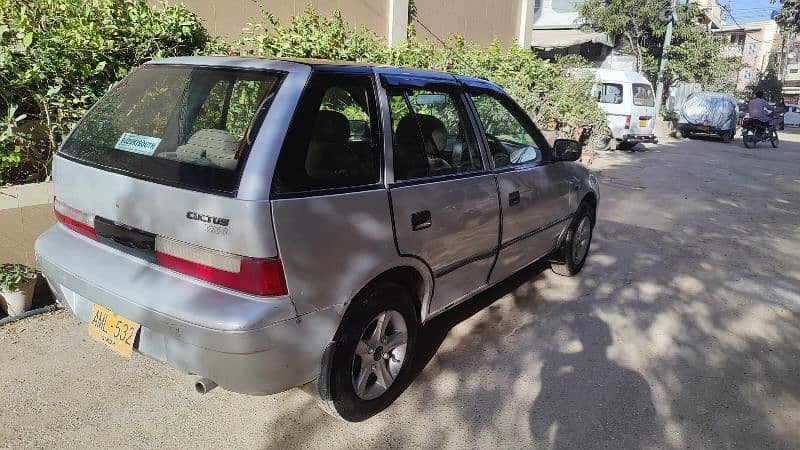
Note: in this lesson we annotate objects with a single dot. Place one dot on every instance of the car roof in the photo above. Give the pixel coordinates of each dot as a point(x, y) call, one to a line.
point(610, 75)
point(393, 76)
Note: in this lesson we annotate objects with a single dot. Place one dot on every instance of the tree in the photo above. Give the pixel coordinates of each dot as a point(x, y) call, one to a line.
point(789, 16)
point(695, 54)
point(769, 82)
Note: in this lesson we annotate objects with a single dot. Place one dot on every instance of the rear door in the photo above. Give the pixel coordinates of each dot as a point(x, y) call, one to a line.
point(535, 193)
point(444, 199)
point(643, 109)
point(330, 207)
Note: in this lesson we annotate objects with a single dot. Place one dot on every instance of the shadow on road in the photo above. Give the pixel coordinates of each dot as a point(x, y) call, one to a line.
point(587, 400)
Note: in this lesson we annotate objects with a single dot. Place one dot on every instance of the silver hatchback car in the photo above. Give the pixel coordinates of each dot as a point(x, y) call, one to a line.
point(265, 224)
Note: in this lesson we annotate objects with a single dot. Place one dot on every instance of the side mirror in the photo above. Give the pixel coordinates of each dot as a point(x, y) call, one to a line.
point(566, 150)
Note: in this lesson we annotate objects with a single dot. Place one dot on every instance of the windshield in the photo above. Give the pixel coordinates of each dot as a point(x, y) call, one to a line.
point(182, 125)
point(643, 95)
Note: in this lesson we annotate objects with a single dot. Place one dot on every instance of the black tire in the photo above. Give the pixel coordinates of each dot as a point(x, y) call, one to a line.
point(603, 144)
point(748, 140)
point(773, 139)
point(727, 137)
point(339, 398)
point(564, 261)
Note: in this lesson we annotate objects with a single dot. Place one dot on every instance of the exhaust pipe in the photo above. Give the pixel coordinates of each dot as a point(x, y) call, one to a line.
point(204, 386)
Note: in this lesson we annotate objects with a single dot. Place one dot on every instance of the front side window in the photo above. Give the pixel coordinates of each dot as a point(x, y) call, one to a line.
point(184, 125)
point(510, 142)
point(432, 135)
point(334, 139)
point(610, 93)
point(643, 95)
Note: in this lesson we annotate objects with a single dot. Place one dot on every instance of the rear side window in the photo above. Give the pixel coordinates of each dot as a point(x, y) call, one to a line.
point(643, 95)
point(609, 93)
point(181, 125)
point(334, 140)
point(432, 135)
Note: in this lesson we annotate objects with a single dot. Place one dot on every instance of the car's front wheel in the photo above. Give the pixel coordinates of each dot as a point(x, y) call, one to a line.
point(371, 359)
point(569, 260)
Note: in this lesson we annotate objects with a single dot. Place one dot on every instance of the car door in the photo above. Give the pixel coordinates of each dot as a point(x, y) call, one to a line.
point(535, 193)
point(444, 199)
point(642, 110)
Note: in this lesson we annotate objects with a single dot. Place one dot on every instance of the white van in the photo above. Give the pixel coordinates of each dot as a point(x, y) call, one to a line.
point(628, 100)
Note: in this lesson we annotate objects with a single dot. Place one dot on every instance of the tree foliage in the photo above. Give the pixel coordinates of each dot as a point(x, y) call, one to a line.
point(769, 82)
point(553, 100)
point(695, 55)
point(789, 16)
point(57, 57)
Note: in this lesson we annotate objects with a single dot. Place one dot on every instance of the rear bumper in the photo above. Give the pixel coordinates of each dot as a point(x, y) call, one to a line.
point(692, 128)
point(640, 138)
point(245, 344)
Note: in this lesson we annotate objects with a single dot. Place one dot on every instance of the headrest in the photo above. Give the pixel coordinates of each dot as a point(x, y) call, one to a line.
point(433, 131)
point(331, 126)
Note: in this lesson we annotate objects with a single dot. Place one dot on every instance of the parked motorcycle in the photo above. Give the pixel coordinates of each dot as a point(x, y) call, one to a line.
point(755, 131)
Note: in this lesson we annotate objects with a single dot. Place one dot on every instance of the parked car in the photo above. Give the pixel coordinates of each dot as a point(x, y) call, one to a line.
point(628, 100)
point(792, 116)
point(709, 114)
point(221, 216)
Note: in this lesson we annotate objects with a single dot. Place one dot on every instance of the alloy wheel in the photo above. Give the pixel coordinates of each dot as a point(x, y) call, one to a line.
point(580, 243)
point(379, 354)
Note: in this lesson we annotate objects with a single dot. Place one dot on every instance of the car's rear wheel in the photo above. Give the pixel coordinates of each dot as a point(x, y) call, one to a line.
point(372, 355)
point(569, 260)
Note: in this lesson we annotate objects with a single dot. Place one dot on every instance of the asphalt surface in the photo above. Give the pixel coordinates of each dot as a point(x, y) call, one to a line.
point(681, 332)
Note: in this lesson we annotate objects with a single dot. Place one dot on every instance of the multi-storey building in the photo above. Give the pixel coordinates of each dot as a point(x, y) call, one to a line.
point(751, 43)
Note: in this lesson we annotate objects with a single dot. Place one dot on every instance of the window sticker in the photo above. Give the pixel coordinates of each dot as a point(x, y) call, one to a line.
point(136, 143)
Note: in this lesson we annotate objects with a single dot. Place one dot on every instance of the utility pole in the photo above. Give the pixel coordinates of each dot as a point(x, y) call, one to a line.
point(665, 57)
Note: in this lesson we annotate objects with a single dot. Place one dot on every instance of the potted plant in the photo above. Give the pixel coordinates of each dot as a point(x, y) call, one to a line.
point(16, 288)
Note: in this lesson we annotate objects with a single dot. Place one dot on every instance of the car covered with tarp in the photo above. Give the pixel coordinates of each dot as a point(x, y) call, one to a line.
point(708, 113)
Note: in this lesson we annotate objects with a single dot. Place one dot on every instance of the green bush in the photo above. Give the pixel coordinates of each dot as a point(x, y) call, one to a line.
point(57, 57)
point(553, 99)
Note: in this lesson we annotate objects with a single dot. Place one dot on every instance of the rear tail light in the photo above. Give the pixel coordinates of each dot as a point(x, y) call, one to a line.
point(628, 122)
point(251, 275)
point(74, 219)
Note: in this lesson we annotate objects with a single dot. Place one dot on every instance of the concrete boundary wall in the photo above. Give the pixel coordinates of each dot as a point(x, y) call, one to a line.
point(25, 212)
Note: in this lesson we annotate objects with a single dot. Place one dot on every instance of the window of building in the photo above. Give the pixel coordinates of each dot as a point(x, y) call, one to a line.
point(432, 135)
point(751, 49)
point(334, 140)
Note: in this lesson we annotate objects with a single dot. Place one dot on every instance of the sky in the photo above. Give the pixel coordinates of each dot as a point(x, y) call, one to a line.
point(749, 10)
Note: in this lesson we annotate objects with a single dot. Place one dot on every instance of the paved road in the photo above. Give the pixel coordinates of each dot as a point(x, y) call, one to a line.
point(681, 332)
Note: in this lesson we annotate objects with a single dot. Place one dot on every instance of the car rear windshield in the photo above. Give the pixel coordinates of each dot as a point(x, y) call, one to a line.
point(643, 95)
point(180, 125)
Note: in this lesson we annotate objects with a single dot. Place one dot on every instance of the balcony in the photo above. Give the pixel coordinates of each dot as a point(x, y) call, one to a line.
point(733, 51)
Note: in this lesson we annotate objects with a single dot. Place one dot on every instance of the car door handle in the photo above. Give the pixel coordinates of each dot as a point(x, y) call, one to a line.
point(420, 220)
point(513, 198)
